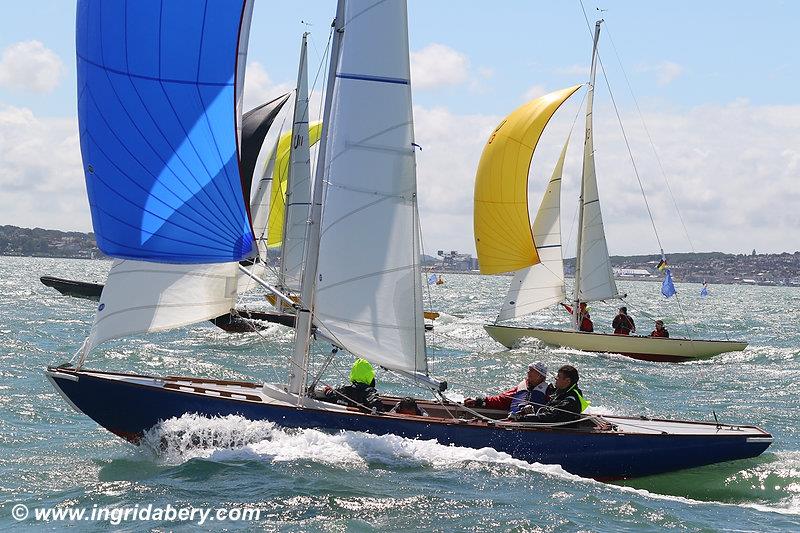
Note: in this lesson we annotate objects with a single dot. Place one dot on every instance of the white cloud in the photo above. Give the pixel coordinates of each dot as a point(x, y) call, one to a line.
point(534, 92)
point(41, 181)
point(732, 168)
point(438, 65)
point(666, 72)
point(259, 87)
point(30, 66)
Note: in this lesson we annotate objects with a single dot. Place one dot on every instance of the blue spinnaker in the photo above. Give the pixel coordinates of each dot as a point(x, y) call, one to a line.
point(157, 115)
point(667, 286)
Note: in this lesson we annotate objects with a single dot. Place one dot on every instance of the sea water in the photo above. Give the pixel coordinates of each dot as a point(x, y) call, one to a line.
point(307, 480)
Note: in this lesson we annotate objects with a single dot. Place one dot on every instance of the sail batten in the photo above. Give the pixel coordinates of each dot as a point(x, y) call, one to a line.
point(503, 235)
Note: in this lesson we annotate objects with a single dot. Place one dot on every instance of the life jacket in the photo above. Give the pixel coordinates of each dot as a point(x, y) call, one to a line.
point(522, 397)
point(584, 402)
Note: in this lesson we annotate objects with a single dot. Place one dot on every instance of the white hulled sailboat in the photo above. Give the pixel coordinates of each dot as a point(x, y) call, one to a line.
point(506, 242)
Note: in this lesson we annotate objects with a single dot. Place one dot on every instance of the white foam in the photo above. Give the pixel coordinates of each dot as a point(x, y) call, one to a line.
point(236, 438)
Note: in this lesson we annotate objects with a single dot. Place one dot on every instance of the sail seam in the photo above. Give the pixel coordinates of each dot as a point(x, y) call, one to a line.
point(151, 78)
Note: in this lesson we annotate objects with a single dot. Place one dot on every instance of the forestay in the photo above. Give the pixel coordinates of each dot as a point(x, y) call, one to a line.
point(541, 285)
point(157, 114)
point(503, 235)
point(369, 293)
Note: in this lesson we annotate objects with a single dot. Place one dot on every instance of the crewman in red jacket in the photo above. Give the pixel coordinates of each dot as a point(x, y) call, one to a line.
point(586, 321)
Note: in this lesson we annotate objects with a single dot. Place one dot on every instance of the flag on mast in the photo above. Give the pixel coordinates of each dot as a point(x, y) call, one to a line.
point(668, 287)
point(704, 290)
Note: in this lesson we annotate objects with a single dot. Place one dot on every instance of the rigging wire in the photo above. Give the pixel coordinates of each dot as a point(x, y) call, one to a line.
point(650, 139)
point(431, 360)
point(633, 162)
point(624, 135)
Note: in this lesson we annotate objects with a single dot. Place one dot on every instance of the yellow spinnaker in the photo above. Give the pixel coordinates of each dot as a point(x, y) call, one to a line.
point(280, 177)
point(502, 223)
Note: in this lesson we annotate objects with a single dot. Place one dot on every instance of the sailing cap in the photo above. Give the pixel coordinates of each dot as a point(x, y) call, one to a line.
point(362, 372)
point(539, 367)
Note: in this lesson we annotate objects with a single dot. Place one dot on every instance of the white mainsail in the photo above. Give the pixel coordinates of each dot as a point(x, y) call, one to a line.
point(368, 295)
point(541, 285)
point(298, 194)
point(595, 277)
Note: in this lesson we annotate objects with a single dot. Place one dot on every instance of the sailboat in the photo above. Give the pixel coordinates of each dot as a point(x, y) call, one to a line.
point(506, 241)
point(364, 295)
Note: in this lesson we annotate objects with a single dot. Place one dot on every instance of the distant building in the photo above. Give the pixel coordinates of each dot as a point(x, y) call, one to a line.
point(455, 261)
point(633, 273)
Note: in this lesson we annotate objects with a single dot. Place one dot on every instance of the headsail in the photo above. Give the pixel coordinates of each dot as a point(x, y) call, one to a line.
point(143, 297)
point(157, 114)
point(542, 284)
point(280, 183)
point(503, 237)
point(369, 286)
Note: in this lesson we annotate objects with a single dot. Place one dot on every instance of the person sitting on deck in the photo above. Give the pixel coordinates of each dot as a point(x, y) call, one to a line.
point(660, 330)
point(586, 323)
point(533, 390)
point(408, 406)
point(361, 391)
point(566, 404)
point(623, 323)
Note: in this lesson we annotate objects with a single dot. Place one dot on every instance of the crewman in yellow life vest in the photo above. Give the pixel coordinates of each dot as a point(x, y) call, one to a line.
point(564, 406)
point(361, 391)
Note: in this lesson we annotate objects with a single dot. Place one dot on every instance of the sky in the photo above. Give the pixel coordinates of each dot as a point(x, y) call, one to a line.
point(712, 84)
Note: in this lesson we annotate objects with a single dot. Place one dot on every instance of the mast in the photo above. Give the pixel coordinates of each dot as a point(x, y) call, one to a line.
point(588, 156)
point(299, 366)
point(298, 148)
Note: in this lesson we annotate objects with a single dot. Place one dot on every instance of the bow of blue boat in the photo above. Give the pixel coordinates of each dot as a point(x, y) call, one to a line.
point(604, 448)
